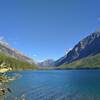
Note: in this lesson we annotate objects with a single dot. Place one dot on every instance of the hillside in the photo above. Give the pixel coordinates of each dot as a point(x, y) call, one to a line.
point(11, 52)
point(15, 64)
point(88, 62)
point(88, 46)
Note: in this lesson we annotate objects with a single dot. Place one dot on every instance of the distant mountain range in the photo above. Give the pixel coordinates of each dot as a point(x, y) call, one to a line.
point(46, 63)
point(89, 46)
point(85, 54)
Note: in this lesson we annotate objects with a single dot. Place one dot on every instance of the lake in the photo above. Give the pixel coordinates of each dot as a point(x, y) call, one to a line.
point(57, 85)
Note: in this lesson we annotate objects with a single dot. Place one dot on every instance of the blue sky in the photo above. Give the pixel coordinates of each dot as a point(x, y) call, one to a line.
point(47, 28)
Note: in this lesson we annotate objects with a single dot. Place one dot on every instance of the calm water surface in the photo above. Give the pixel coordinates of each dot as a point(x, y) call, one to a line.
point(57, 85)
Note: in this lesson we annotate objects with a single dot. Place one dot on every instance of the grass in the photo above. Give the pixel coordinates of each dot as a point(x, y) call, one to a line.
point(15, 64)
point(90, 62)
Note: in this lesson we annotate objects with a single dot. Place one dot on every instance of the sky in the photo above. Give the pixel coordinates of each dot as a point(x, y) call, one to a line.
point(44, 29)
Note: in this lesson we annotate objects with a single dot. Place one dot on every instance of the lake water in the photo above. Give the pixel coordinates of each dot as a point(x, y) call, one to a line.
point(57, 85)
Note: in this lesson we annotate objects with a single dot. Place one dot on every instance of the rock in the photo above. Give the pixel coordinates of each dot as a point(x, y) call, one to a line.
point(86, 47)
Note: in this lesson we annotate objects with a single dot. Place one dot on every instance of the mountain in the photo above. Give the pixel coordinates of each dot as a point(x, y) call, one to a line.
point(10, 57)
point(89, 46)
point(46, 63)
point(11, 52)
point(15, 64)
point(87, 62)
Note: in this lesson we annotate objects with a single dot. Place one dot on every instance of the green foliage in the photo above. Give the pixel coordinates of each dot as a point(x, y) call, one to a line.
point(15, 64)
point(88, 62)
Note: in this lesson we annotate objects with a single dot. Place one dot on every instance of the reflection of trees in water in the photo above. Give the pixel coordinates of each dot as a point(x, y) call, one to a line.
point(5, 89)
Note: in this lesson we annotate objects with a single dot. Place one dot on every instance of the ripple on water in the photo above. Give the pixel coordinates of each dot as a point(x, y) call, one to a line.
point(57, 85)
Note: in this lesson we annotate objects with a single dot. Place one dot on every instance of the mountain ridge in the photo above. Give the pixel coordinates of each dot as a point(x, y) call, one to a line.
point(86, 47)
point(46, 63)
point(12, 52)
point(90, 62)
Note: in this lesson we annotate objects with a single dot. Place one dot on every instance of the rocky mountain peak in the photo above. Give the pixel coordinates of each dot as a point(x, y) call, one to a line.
point(47, 62)
point(86, 47)
point(9, 51)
